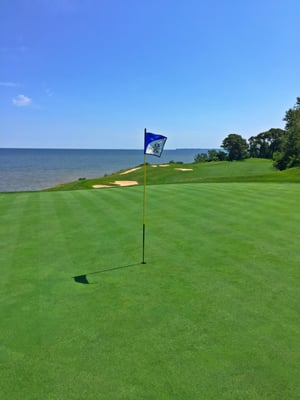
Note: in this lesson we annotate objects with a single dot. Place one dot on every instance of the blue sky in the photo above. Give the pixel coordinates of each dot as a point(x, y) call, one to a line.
point(94, 74)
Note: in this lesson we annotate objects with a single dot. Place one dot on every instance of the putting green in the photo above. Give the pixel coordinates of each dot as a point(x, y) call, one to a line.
point(213, 314)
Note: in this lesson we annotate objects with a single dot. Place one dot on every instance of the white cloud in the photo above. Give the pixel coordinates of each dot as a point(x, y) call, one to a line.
point(21, 100)
point(9, 84)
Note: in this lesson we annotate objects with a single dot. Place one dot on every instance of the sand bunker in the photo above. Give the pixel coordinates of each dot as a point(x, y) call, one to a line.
point(101, 186)
point(113, 184)
point(125, 183)
point(130, 170)
point(184, 169)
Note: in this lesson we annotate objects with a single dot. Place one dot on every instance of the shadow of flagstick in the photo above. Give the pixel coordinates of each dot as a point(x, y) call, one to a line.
point(83, 278)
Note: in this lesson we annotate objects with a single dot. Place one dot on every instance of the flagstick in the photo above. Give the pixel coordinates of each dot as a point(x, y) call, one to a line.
point(144, 207)
point(154, 145)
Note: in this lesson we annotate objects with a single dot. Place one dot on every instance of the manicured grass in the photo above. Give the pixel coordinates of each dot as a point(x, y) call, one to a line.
point(251, 170)
point(214, 314)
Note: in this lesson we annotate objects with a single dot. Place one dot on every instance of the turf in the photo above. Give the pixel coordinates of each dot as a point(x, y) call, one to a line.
point(250, 170)
point(213, 314)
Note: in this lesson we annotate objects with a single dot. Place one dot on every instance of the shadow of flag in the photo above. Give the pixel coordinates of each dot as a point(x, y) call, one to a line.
point(81, 279)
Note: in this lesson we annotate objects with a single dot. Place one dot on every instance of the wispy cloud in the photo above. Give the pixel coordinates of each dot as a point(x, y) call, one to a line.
point(47, 89)
point(9, 84)
point(21, 100)
point(49, 92)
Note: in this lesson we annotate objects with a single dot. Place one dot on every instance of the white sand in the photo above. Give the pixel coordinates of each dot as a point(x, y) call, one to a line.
point(130, 170)
point(101, 186)
point(125, 183)
point(119, 183)
point(183, 169)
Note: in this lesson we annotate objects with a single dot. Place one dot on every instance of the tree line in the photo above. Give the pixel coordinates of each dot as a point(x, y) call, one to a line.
point(281, 145)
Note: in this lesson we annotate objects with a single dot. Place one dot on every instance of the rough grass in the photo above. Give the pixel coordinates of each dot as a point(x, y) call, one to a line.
point(214, 314)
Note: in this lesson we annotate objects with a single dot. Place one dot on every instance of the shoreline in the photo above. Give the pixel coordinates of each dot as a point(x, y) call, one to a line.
point(35, 170)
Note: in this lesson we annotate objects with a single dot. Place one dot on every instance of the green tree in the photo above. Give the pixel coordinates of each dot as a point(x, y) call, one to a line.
point(292, 116)
point(212, 155)
point(201, 157)
point(265, 144)
point(236, 146)
point(222, 155)
point(289, 154)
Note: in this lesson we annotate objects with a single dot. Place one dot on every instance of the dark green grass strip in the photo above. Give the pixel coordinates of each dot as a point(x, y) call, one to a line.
point(214, 313)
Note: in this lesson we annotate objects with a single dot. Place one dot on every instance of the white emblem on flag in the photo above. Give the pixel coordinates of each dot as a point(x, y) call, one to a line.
point(155, 148)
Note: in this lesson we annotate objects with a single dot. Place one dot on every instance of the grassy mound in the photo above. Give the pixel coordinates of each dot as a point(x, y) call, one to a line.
point(214, 314)
point(251, 170)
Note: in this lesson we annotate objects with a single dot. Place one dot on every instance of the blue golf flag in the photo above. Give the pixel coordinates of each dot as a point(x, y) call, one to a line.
point(154, 144)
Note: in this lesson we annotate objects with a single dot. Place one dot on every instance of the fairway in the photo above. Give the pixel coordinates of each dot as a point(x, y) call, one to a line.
point(213, 314)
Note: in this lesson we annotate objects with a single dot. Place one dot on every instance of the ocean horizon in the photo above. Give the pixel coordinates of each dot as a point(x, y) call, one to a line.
point(30, 169)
